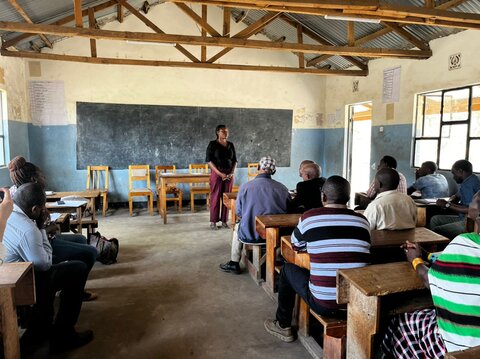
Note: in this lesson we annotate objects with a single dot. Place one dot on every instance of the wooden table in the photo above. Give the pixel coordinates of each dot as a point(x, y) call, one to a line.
point(90, 195)
point(171, 178)
point(301, 259)
point(268, 227)
point(229, 200)
point(68, 207)
point(369, 291)
point(17, 287)
point(428, 239)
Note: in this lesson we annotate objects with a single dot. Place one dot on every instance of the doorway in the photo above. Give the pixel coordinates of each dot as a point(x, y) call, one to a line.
point(359, 135)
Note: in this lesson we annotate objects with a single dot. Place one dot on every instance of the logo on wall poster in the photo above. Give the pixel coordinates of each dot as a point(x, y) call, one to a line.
point(355, 86)
point(455, 61)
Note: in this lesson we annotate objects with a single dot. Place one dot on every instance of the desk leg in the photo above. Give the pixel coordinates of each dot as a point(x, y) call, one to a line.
point(273, 241)
point(11, 343)
point(163, 196)
point(79, 220)
point(421, 216)
point(94, 207)
point(362, 324)
point(233, 212)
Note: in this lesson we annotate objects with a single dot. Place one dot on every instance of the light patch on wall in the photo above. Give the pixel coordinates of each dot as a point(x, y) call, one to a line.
point(390, 113)
point(304, 119)
point(455, 61)
point(35, 68)
point(2, 75)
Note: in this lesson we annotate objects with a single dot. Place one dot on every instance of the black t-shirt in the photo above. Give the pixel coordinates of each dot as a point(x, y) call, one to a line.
point(223, 157)
point(309, 195)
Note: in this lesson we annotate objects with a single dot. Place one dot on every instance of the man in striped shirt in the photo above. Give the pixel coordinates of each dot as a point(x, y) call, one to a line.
point(454, 282)
point(335, 237)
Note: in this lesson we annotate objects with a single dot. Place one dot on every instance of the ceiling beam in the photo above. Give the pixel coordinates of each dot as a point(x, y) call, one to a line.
point(120, 13)
point(210, 41)
point(92, 25)
point(77, 10)
point(155, 28)
point(23, 14)
point(117, 61)
point(203, 49)
point(198, 19)
point(301, 55)
point(351, 33)
point(407, 36)
point(226, 21)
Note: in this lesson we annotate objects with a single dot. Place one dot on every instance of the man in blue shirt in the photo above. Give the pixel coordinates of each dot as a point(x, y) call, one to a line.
point(429, 183)
point(262, 195)
point(25, 240)
point(451, 226)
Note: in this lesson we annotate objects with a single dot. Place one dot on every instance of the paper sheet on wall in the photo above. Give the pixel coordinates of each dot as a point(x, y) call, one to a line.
point(47, 102)
point(391, 85)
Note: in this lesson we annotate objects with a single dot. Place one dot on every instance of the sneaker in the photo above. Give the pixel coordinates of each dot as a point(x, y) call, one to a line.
point(213, 226)
point(63, 342)
point(274, 328)
point(231, 267)
point(89, 296)
point(225, 225)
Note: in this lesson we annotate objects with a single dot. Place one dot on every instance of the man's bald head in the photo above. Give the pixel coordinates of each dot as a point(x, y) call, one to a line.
point(336, 190)
point(28, 196)
point(386, 179)
point(310, 171)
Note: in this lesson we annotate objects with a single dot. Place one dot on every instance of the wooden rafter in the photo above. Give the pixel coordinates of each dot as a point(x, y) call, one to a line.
point(199, 20)
point(359, 9)
point(407, 36)
point(120, 13)
point(250, 30)
point(351, 33)
point(22, 13)
point(117, 61)
point(77, 7)
point(208, 41)
point(226, 21)
point(91, 25)
point(155, 28)
point(203, 55)
point(301, 55)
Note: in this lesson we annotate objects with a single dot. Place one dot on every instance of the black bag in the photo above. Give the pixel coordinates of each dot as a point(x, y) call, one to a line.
point(107, 249)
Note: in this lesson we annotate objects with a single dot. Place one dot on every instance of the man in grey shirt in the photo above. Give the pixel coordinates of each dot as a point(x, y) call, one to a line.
point(262, 195)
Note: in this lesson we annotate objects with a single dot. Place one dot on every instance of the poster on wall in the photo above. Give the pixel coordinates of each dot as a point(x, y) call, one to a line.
point(47, 102)
point(391, 85)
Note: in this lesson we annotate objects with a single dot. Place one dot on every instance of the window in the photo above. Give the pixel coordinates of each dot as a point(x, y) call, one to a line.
point(447, 127)
point(3, 113)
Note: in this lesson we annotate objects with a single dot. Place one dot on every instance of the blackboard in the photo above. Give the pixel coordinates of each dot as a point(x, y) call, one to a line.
point(120, 135)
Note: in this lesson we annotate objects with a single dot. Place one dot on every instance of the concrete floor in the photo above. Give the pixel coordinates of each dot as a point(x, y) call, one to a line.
point(166, 298)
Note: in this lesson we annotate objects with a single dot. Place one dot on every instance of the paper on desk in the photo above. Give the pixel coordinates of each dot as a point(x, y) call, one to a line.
point(54, 216)
point(74, 204)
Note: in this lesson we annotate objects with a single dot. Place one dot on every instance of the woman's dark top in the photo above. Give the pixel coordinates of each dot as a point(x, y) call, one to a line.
point(223, 157)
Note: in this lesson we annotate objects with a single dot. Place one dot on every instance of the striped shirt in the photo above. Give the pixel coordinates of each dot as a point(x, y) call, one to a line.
point(455, 285)
point(335, 238)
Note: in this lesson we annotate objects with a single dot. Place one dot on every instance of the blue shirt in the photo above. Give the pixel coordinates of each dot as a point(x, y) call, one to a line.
point(432, 186)
point(262, 195)
point(24, 242)
point(468, 188)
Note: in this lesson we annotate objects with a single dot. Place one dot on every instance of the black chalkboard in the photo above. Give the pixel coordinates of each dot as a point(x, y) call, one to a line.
point(120, 135)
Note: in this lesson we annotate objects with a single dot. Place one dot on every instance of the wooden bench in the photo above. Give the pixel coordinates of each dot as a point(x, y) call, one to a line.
point(254, 256)
point(334, 331)
point(472, 353)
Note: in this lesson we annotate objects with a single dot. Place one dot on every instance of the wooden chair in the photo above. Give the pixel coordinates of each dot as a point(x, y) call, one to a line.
point(171, 189)
point(252, 170)
point(198, 188)
point(97, 178)
point(139, 173)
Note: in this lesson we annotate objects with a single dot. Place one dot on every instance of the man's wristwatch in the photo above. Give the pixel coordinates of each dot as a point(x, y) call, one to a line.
point(447, 205)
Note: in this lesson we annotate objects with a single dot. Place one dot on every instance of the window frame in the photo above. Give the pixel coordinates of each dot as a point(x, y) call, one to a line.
point(443, 123)
point(3, 128)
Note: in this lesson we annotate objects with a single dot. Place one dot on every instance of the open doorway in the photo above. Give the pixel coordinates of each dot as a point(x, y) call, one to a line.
point(359, 145)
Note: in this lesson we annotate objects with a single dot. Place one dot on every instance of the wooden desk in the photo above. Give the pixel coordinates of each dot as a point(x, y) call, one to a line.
point(68, 207)
point(366, 290)
point(90, 195)
point(170, 178)
point(17, 287)
point(301, 259)
point(421, 235)
point(229, 199)
point(268, 227)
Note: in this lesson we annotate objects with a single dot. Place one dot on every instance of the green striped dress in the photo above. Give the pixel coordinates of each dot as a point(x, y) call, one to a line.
point(455, 286)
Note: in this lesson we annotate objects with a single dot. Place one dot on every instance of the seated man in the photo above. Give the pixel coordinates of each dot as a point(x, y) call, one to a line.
point(453, 324)
point(388, 162)
point(308, 192)
point(6, 208)
point(390, 209)
point(429, 183)
point(335, 237)
point(451, 226)
point(262, 195)
point(25, 240)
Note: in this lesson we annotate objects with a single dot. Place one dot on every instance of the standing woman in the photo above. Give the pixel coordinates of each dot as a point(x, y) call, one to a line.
point(222, 159)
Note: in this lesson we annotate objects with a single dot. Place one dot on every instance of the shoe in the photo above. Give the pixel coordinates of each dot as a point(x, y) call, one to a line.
point(230, 267)
point(32, 340)
point(274, 328)
point(225, 225)
point(213, 226)
point(63, 342)
point(89, 296)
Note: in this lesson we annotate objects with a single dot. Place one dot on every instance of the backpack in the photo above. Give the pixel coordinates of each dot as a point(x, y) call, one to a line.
point(107, 249)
